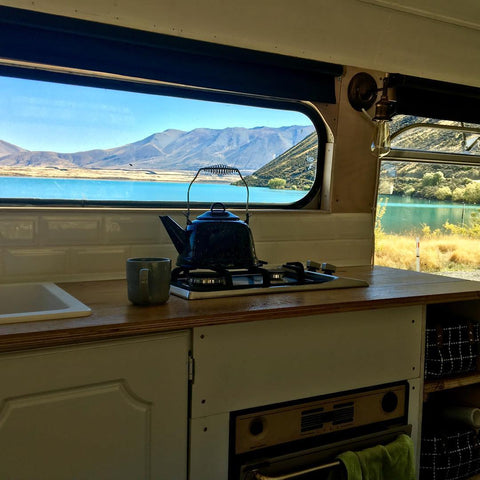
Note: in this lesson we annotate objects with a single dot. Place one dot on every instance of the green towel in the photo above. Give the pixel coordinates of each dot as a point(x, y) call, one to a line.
point(390, 462)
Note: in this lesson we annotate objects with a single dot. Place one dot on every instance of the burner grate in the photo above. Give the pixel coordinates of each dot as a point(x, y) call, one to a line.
point(215, 282)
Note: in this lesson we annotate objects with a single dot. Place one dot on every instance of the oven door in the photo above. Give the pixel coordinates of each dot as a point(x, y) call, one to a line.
point(301, 439)
point(316, 463)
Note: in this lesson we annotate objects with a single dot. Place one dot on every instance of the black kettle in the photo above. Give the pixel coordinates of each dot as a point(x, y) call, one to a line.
point(216, 239)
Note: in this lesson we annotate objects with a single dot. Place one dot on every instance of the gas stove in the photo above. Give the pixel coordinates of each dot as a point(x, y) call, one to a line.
point(195, 284)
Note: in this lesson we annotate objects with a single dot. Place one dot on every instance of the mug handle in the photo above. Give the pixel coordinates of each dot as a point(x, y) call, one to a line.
point(143, 284)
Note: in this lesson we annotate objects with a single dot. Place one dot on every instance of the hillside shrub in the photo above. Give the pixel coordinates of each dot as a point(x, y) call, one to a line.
point(277, 183)
point(443, 193)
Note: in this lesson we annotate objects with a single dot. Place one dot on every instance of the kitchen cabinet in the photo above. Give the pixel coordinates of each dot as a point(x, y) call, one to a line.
point(103, 410)
point(254, 364)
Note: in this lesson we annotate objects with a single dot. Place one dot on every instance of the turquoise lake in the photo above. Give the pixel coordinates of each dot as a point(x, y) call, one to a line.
point(406, 214)
point(403, 214)
point(131, 191)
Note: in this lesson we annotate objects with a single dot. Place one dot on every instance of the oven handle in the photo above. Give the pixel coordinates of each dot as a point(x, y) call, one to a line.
point(258, 476)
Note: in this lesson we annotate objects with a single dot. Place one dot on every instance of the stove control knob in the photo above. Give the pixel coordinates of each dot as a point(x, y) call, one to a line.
point(328, 268)
point(389, 402)
point(257, 426)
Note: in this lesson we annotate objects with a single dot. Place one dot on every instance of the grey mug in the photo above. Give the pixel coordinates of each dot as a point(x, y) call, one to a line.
point(148, 280)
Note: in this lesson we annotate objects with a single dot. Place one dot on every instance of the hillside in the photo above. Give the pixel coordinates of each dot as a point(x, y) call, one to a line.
point(444, 182)
point(245, 148)
point(9, 149)
point(434, 140)
point(297, 166)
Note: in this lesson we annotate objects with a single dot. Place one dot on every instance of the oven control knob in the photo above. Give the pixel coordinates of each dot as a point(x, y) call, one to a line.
point(257, 426)
point(389, 402)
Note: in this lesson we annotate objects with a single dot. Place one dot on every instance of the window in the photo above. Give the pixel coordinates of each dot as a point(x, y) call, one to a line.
point(71, 143)
point(428, 214)
point(99, 115)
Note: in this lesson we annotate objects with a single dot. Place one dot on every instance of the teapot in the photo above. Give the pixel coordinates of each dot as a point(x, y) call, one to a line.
point(216, 239)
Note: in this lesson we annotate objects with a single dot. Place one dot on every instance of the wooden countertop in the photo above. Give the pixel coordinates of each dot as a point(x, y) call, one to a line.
point(114, 317)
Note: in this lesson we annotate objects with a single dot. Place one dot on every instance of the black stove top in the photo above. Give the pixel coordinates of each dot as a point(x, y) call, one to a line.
point(292, 276)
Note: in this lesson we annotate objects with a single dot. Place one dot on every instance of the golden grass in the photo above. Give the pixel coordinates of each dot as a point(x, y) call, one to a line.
point(184, 176)
point(438, 253)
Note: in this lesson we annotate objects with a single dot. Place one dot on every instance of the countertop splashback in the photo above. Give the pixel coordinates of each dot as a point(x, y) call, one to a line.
point(92, 244)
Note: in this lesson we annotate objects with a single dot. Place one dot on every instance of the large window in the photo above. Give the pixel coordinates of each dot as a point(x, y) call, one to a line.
point(70, 143)
point(100, 114)
point(428, 215)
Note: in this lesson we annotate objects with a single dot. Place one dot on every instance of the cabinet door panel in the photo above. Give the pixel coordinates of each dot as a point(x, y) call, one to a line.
point(257, 363)
point(113, 410)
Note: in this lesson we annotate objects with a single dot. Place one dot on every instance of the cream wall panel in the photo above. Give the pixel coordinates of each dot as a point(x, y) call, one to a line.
point(309, 225)
point(160, 250)
point(99, 259)
point(133, 229)
point(107, 410)
point(465, 13)
point(251, 364)
point(94, 244)
point(18, 231)
point(337, 252)
point(34, 263)
point(209, 447)
point(72, 229)
point(349, 32)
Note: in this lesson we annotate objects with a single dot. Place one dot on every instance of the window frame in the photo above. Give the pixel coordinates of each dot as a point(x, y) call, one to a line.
point(64, 52)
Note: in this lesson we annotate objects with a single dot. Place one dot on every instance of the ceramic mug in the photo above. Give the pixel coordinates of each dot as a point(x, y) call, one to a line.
point(148, 280)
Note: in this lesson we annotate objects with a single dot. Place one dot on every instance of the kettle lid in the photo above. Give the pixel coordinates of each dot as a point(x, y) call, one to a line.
point(218, 212)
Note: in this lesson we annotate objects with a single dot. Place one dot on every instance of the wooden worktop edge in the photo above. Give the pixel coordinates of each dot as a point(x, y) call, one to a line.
point(112, 321)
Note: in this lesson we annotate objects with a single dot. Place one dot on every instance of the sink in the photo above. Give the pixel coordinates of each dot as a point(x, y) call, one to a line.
point(27, 302)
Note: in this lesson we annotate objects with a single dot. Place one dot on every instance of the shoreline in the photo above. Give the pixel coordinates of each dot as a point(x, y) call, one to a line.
point(173, 176)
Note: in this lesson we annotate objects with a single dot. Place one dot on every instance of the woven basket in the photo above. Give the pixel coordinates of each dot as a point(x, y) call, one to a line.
point(451, 348)
point(449, 454)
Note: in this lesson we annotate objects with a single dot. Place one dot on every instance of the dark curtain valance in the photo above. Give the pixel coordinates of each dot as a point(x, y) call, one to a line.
point(61, 41)
point(434, 99)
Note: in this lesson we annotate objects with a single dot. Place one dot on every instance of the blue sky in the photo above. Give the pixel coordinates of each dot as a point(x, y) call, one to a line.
point(65, 118)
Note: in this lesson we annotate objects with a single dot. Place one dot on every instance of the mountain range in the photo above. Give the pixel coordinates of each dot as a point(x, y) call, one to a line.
point(245, 148)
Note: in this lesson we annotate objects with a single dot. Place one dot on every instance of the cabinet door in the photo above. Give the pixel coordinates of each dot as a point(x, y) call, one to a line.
point(106, 410)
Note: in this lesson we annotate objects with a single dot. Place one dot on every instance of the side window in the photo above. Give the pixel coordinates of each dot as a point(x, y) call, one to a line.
point(428, 206)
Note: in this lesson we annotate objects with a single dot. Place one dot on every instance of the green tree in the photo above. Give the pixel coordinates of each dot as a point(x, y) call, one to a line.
point(458, 195)
point(433, 179)
point(472, 192)
point(277, 183)
point(443, 193)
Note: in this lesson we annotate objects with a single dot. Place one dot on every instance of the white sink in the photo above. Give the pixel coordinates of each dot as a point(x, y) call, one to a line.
point(26, 302)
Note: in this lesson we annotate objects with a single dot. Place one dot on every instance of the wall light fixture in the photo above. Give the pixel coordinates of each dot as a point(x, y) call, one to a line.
point(362, 94)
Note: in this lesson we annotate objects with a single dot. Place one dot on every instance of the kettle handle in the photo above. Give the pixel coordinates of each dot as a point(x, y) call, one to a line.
point(219, 170)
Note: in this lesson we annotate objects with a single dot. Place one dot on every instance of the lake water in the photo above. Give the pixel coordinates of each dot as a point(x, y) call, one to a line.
point(132, 191)
point(406, 214)
point(403, 214)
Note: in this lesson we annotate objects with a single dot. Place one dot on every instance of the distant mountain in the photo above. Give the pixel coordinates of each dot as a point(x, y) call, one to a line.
point(297, 166)
point(9, 149)
point(245, 148)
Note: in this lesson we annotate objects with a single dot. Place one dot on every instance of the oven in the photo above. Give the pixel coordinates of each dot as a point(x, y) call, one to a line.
point(300, 440)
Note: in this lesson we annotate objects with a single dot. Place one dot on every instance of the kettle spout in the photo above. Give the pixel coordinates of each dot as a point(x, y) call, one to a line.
point(176, 233)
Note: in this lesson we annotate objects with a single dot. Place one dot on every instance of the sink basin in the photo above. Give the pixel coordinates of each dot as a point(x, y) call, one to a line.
point(26, 302)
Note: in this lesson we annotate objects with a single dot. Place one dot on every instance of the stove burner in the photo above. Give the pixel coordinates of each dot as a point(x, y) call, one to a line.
point(191, 283)
point(276, 275)
point(206, 280)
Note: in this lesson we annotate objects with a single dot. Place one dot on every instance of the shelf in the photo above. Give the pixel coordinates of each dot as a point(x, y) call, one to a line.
point(432, 386)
